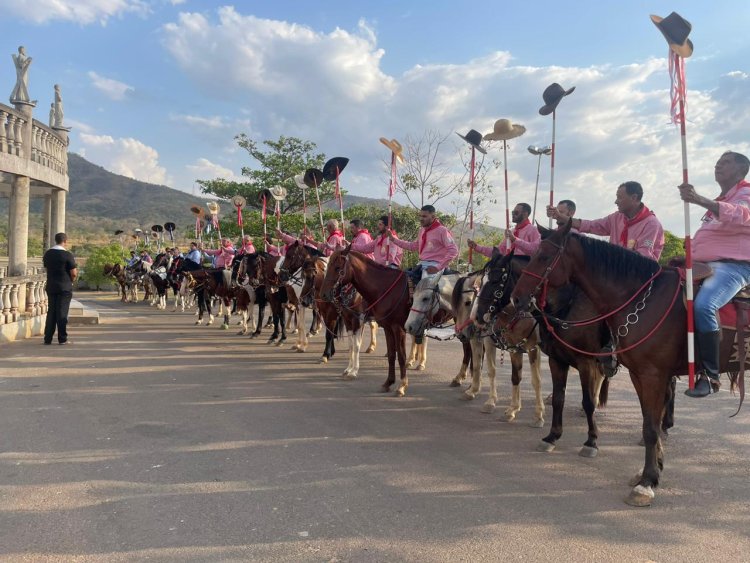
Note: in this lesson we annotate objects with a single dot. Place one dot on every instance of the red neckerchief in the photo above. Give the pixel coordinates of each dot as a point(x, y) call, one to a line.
point(382, 238)
point(644, 213)
point(708, 216)
point(520, 226)
point(435, 224)
point(333, 234)
point(365, 231)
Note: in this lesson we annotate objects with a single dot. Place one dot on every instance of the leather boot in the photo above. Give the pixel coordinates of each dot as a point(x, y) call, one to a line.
point(708, 350)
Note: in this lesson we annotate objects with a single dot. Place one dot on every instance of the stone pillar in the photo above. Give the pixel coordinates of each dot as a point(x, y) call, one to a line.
point(18, 245)
point(48, 237)
point(57, 213)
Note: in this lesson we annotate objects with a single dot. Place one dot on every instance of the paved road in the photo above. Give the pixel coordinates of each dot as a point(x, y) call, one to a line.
point(152, 439)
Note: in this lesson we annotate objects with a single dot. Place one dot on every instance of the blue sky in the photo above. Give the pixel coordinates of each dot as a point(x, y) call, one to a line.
point(157, 89)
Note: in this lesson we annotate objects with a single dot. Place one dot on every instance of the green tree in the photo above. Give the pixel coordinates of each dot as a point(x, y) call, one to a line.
point(674, 246)
point(93, 273)
point(274, 165)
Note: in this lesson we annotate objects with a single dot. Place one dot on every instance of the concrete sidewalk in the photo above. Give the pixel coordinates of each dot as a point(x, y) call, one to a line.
point(152, 439)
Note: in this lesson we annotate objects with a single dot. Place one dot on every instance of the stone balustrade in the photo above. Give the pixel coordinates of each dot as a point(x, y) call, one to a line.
point(11, 131)
point(48, 149)
point(22, 297)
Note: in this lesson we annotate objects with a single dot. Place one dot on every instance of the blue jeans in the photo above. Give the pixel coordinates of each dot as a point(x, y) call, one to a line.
point(717, 291)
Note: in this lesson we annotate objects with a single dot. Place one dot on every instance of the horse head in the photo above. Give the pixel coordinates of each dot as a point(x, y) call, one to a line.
point(551, 266)
point(309, 272)
point(425, 305)
point(494, 293)
point(338, 273)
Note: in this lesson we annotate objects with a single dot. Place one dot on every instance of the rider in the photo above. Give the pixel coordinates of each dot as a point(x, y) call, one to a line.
point(525, 238)
point(382, 251)
point(176, 253)
point(224, 255)
point(632, 226)
point(133, 259)
point(360, 237)
point(334, 240)
point(146, 257)
point(434, 243)
point(247, 246)
point(566, 209)
point(194, 254)
point(723, 241)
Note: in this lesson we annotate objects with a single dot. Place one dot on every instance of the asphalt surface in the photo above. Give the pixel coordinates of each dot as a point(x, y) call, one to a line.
point(150, 439)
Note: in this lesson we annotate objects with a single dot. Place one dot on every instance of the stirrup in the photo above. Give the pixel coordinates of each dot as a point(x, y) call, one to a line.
point(704, 387)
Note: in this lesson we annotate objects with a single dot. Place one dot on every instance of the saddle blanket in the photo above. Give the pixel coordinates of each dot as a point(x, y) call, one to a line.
point(447, 333)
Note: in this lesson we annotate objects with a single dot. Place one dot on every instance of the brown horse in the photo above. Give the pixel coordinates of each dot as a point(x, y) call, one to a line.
point(118, 273)
point(387, 294)
point(641, 303)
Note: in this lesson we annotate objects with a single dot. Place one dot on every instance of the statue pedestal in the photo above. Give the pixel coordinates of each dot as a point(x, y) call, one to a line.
point(19, 104)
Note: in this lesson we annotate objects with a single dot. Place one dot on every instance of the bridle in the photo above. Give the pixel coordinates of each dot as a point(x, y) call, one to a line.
point(543, 285)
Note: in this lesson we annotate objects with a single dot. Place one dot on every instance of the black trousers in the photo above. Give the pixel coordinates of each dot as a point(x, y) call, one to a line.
point(57, 316)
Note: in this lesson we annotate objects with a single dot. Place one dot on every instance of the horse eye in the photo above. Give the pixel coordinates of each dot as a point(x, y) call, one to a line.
point(467, 303)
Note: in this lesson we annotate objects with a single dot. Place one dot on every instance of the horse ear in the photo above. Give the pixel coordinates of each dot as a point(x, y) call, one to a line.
point(544, 231)
point(495, 253)
point(346, 250)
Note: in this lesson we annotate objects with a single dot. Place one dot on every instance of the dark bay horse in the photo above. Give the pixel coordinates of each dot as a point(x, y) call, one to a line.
point(159, 279)
point(387, 294)
point(566, 303)
point(118, 273)
point(296, 257)
point(641, 304)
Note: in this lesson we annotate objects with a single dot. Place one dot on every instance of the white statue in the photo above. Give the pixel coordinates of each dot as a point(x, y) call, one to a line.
point(58, 108)
point(52, 115)
point(21, 91)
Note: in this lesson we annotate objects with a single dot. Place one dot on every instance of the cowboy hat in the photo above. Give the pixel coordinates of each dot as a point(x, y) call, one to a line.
point(198, 211)
point(157, 228)
point(313, 177)
point(278, 192)
point(333, 167)
point(170, 227)
point(504, 130)
point(239, 201)
point(299, 179)
point(675, 30)
point(119, 232)
point(474, 138)
point(395, 147)
point(552, 96)
point(213, 207)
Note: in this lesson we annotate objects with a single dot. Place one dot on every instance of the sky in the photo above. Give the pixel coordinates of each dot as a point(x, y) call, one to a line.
point(157, 89)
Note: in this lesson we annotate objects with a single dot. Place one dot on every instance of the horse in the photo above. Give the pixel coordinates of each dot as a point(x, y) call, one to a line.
point(134, 277)
point(387, 294)
point(568, 304)
point(433, 299)
point(639, 301)
point(176, 281)
point(481, 347)
point(158, 277)
point(118, 273)
point(246, 297)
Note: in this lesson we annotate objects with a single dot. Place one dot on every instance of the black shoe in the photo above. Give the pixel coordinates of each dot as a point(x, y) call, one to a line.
point(47, 343)
point(704, 387)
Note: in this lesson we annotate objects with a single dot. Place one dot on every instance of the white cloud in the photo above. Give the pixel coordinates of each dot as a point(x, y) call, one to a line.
point(83, 12)
point(126, 156)
point(204, 169)
point(177, 2)
point(211, 122)
point(330, 88)
point(113, 89)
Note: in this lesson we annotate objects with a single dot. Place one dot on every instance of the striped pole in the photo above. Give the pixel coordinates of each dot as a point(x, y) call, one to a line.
point(688, 242)
point(536, 187)
point(391, 191)
point(552, 167)
point(471, 204)
point(507, 202)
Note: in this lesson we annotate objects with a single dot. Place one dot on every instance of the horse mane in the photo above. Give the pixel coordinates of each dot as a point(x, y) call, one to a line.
point(314, 252)
point(458, 289)
point(613, 261)
point(372, 263)
point(217, 275)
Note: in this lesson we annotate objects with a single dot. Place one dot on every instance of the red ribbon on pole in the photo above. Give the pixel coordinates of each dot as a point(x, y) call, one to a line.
point(239, 216)
point(471, 204)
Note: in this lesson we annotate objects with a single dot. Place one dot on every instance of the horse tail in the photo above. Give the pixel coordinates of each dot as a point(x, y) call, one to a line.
point(340, 328)
point(604, 392)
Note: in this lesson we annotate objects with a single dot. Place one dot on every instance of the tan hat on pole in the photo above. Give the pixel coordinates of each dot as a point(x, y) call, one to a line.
point(505, 130)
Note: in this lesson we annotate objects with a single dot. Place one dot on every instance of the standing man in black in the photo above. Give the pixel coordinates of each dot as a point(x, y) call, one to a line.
point(62, 271)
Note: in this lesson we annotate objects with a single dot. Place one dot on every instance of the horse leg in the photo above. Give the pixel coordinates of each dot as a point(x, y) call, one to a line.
point(400, 338)
point(282, 326)
point(559, 372)
point(592, 383)
point(652, 393)
point(301, 336)
point(536, 383)
point(668, 420)
point(465, 364)
point(411, 362)
point(422, 355)
point(476, 369)
point(392, 350)
point(373, 337)
point(490, 355)
point(243, 322)
point(259, 327)
point(516, 362)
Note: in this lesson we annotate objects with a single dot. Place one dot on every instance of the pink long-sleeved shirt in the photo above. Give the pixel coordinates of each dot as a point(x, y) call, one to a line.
point(728, 235)
point(646, 237)
point(361, 241)
point(527, 243)
point(439, 246)
point(383, 251)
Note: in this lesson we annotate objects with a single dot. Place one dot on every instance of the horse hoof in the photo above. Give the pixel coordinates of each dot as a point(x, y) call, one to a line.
point(348, 376)
point(225, 326)
point(640, 496)
point(509, 418)
point(399, 392)
point(300, 350)
point(454, 383)
point(409, 365)
point(420, 367)
point(467, 396)
point(487, 409)
point(545, 447)
point(538, 423)
point(253, 335)
point(197, 323)
point(323, 360)
point(370, 350)
point(635, 479)
point(242, 332)
point(588, 451)
point(279, 344)
point(384, 388)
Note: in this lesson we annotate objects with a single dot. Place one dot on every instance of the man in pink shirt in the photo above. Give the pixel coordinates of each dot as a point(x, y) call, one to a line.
point(524, 239)
point(247, 246)
point(360, 237)
point(434, 243)
point(383, 252)
point(632, 226)
point(334, 240)
point(723, 241)
point(224, 257)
